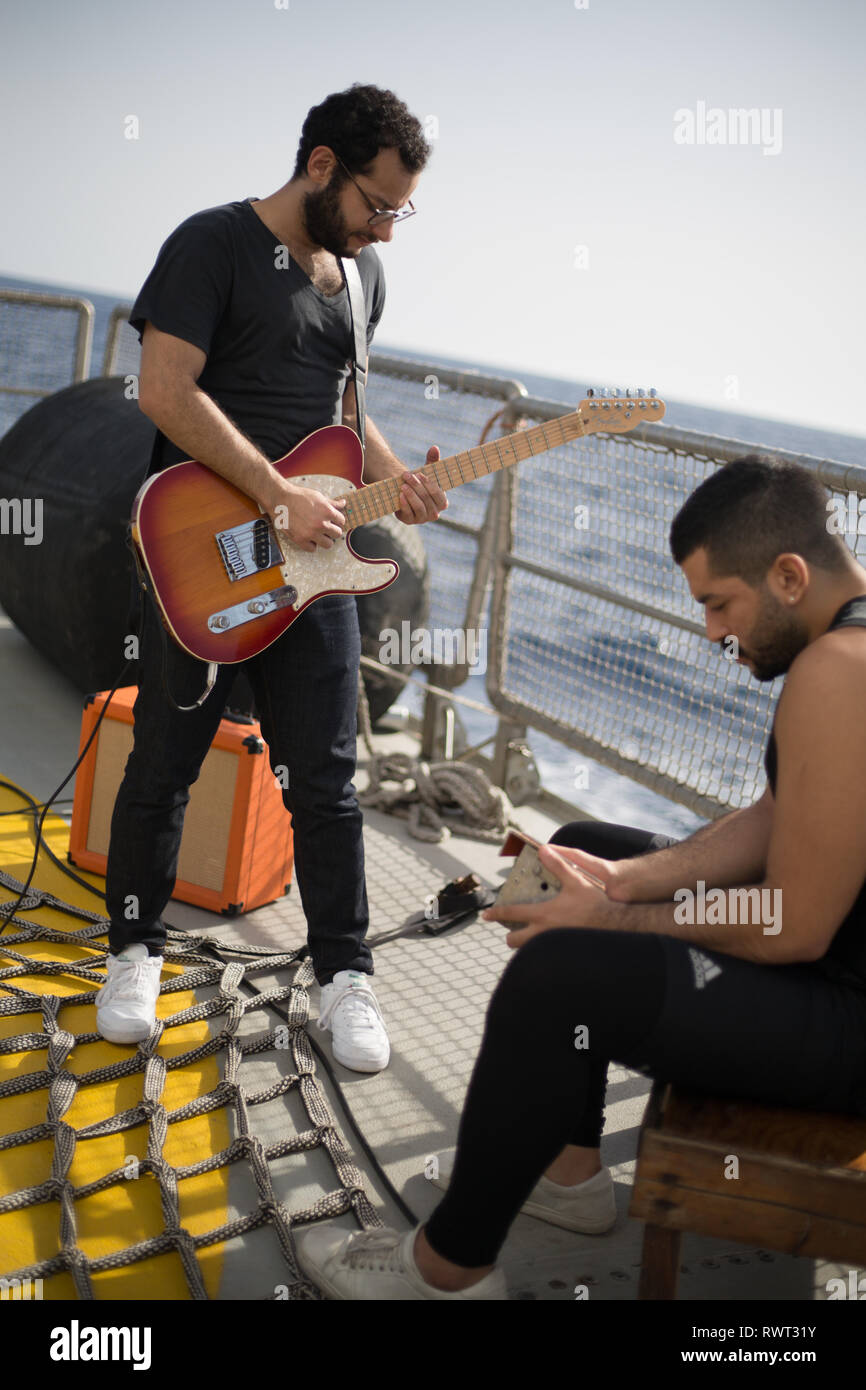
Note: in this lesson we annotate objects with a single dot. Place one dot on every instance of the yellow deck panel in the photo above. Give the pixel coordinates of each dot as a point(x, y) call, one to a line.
point(129, 1212)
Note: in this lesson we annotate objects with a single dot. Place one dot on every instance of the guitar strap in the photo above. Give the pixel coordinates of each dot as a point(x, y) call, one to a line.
point(358, 317)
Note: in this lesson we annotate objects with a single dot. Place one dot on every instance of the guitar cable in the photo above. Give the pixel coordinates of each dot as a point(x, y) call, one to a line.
point(8, 913)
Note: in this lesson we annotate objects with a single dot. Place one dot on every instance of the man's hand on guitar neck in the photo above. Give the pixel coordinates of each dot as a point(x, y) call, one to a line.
point(421, 498)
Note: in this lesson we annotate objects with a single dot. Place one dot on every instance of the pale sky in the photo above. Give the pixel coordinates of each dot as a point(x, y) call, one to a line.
point(562, 228)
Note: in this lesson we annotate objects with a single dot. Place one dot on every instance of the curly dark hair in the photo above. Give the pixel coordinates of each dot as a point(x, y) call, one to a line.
point(357, 124)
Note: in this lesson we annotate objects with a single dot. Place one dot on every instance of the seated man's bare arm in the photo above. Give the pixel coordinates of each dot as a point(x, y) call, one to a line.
point(732, 849)
point(816, 858)
point(817, 853)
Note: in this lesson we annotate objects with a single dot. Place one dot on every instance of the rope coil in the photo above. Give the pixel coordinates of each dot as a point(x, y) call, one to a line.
point(428, 794)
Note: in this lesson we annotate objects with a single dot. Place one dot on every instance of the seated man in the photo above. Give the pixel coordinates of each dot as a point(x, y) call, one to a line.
point(759, 994)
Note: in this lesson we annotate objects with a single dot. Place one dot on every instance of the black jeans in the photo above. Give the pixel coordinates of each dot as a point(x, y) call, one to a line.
point(306, 690)
point(786, 1035)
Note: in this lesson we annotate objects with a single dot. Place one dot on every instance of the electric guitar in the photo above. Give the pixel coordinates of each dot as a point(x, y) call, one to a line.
point(228, 583)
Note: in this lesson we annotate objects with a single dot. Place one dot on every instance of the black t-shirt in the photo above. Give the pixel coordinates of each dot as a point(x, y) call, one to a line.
point(278, 350)
point(846, 954)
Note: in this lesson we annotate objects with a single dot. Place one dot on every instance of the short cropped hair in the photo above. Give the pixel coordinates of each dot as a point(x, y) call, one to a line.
point(357, 124)
point(752, 510)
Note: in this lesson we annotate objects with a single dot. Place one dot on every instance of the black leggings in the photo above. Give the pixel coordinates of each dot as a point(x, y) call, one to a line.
point(780, 1034)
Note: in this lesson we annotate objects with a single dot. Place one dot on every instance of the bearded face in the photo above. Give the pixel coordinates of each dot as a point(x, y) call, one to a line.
point(776, 638)
point(324, 221)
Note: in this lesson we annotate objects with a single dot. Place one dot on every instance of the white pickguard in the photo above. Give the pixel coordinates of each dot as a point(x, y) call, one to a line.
point(319, 571)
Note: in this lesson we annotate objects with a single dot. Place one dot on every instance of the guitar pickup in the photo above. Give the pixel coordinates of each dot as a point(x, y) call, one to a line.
point(249, 548)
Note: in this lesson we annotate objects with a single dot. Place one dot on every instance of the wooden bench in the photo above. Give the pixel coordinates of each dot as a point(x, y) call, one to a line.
point(801, 1184)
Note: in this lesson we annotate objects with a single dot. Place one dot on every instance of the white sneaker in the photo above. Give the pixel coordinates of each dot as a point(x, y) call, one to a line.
point(348, 1007)
point(377, 1265)
point(588, 1207)
point(126, 1004)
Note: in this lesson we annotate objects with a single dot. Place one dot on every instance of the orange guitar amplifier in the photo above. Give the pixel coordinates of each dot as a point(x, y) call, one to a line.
point(236, 852)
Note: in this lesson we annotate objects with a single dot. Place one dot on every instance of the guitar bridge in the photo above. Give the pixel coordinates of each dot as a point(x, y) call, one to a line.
point(240, 613)
point(248, 549)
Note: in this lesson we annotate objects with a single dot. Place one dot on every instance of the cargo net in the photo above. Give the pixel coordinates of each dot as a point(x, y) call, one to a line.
point(39, 352)
point(62, 1084)
point(643, 692)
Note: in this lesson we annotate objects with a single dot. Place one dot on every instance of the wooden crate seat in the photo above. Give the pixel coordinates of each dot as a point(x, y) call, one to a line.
point(787, 1180)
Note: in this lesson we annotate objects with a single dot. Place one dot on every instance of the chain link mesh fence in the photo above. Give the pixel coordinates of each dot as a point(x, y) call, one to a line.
point(122, 355)
point(595, 636)
point(46, 345)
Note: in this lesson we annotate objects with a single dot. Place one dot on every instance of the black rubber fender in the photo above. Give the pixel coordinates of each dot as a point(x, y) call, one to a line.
point(407, 599)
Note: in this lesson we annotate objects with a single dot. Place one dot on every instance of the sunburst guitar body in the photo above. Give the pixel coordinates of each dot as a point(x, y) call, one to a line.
point(228, 583)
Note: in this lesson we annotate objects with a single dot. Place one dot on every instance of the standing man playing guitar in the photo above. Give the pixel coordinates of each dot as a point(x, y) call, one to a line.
point(246, 347)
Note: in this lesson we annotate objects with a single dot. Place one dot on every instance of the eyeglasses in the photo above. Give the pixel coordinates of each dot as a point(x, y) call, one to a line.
point(380, 217)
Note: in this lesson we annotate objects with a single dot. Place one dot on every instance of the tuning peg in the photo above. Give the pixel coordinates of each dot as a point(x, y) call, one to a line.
point(653, 392)
point(590, 391)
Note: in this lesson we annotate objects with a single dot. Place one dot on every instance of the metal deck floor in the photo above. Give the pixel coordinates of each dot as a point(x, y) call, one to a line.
point(433, 993)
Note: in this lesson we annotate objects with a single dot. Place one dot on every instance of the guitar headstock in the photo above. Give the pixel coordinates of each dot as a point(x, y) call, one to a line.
point(617, 411)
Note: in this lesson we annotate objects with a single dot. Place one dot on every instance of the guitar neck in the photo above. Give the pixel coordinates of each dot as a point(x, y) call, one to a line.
point(383, 498)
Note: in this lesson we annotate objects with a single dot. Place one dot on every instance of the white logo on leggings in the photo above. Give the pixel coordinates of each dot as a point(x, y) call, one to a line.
point(704, 968)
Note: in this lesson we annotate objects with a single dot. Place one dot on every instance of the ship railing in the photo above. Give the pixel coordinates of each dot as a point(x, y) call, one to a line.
point(47, 341)
point(593, 636)
point(563, 564)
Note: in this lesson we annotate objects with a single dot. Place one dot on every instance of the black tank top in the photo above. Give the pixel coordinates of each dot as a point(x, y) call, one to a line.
point(846, 954)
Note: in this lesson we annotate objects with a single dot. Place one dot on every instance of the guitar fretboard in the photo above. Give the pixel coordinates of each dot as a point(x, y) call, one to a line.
point(382, 498)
